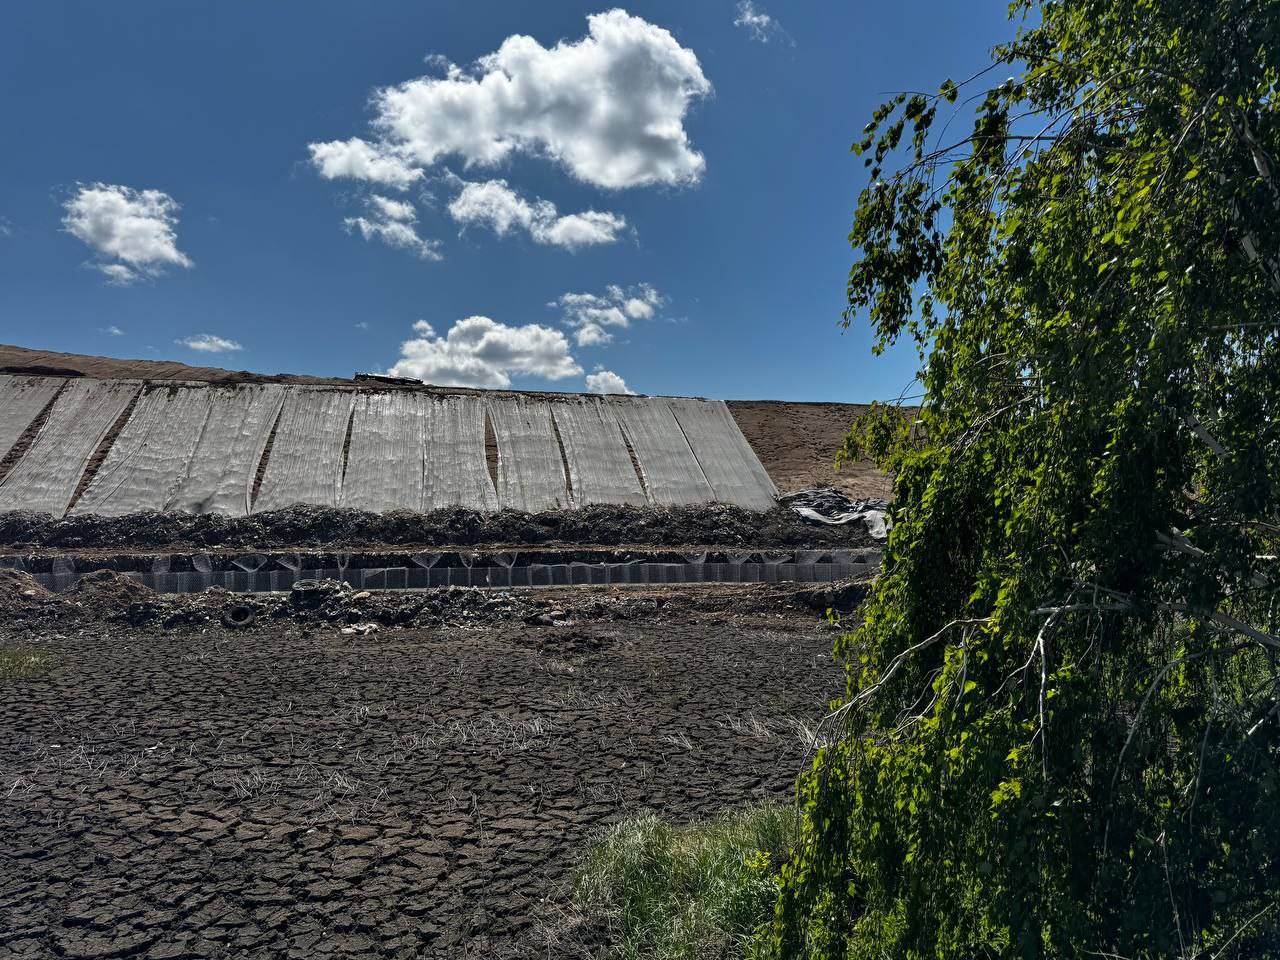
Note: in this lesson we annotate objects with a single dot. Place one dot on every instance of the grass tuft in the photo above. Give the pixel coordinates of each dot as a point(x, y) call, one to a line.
point(22, 662)
point(686, 893)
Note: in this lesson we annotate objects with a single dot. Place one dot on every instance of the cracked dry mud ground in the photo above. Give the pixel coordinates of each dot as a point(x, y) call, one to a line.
point(416, 793)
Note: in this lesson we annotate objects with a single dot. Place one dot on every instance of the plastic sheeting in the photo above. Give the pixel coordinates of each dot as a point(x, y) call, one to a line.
point(671, 472)
point(600, 467)
point(21, 400)
point(46, 477)
point(385, 462)
point(198, 448)
point(219, 477)
point(305, 463)
point(833, 508)
point(456, 470)
point(149, 458)
point(531, 473)
point(730, 465)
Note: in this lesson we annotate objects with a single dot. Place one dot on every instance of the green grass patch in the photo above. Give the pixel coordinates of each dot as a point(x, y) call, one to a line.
point(697, 892)
point(22, 661)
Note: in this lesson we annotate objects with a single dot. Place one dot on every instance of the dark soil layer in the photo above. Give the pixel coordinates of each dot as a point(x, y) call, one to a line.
point(288, 790)
point(304, 526)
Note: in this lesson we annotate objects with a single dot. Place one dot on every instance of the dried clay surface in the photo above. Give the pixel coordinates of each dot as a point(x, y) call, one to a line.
point(372, 776)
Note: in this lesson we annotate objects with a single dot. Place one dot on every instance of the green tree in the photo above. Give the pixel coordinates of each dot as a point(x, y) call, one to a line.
point(1061, 732)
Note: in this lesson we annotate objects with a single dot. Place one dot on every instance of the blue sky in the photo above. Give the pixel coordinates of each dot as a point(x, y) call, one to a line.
point(664, 197)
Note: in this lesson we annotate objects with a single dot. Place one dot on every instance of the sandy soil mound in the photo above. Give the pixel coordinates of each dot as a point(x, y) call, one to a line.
point(108, 588)
point(22, 598)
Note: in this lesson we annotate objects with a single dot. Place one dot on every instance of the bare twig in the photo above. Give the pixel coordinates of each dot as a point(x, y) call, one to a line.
point(896, 664)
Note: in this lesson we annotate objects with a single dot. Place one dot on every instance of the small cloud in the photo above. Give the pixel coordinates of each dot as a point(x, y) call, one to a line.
point(361, 160)
point(592, 316)
point(761, 25)
point(495, 205)
point(606, 381)
point(117, 274)
point(111, 331)
point(394, 222)
point(133, 232)
point(6, 228)
point(479, 352)
point(592, 335)
point(209, 343)
point(400, 211)
point(362, 325)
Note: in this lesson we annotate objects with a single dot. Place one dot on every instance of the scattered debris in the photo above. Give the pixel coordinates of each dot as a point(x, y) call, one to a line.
point(383, 378)
point(309, 594)
point(239, 615)
point(831, 507)
point(22, 598)
point(109, 588)
point(113, 597)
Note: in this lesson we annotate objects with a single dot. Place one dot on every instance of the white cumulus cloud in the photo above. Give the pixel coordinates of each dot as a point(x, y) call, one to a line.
point(361, 160)
point(606, 381)
point(111, 331)
point(761, 25)
point(394, 222)
point(480, 352)
point(131, 231)
point(209, 343)
point(610, 108)
point(494, 204)
point(593, 316)
point(117, 274)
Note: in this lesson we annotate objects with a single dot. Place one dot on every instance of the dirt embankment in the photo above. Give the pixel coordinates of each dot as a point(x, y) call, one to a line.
point(797, 443)
point(303, 526)
point(52, 363)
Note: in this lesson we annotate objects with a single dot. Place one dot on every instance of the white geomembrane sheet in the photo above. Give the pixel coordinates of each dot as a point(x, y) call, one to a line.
point(728, 462)
point(46, 477)
point(219, 477)
point(198, 449)
point(305, 463)
point(671, 472)
point(149, 458)
point(21, 400)
point(457, 472)
point(530, 468)
point(384, 464)
point(600, 467)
